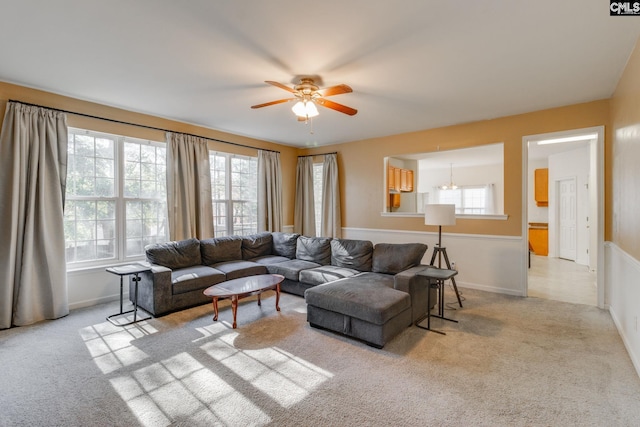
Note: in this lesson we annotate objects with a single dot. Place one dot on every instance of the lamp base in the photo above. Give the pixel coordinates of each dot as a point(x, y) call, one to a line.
point(440, 251)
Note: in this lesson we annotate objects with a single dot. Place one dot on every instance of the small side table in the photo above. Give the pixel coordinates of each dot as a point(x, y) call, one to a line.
point(128, 270)
point(439, 275)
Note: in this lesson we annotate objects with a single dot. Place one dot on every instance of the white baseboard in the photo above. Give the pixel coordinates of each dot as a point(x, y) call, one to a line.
point(621, 279)
point(95, 301)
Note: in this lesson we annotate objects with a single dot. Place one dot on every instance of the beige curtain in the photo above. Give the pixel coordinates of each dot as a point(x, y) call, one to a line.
point(304, 221)
point(331, 222)
point(269, 191)
point(33, 173)
point(188, 187)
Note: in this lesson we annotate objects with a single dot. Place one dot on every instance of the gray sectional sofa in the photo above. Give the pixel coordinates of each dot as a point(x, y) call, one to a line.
point(351, 286)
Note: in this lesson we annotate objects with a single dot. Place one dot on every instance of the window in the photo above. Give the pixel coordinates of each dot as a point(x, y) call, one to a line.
point(234, 184)
point(115, 197)
point(470, 200)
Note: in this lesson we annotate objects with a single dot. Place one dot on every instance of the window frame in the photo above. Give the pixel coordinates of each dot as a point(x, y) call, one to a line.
point(118, 198)
point(230, 200)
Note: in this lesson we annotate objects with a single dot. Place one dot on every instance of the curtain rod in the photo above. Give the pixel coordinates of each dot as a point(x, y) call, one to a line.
point(139, 125)
point(321, 154)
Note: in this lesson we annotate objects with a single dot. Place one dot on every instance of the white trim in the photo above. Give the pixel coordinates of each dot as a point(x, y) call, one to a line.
point(458, 216)
point(622, 272)
point(433, 233)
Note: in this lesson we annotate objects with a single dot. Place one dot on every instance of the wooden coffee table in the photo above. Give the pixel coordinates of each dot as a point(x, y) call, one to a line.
point(244, 287)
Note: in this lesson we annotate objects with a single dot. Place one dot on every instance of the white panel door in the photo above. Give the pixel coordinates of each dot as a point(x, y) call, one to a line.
point(567, 205)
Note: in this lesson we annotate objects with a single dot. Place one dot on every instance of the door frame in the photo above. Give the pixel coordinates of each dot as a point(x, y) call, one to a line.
point(597, 149)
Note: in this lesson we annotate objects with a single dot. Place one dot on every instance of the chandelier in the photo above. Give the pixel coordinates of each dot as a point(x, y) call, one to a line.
point(451, 185)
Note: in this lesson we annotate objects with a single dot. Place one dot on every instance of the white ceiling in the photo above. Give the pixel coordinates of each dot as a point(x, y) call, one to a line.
point(413, 64)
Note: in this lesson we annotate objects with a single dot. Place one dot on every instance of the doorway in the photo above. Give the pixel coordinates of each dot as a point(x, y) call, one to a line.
point(574, 215)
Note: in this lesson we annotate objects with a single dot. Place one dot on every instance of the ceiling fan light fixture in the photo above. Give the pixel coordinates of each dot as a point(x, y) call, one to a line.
point(305, 109)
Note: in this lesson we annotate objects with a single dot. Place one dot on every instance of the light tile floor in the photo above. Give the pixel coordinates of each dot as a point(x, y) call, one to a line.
point(562, 280)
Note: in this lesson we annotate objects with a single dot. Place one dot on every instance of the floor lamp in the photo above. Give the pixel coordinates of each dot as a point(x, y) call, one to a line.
point(441, 214)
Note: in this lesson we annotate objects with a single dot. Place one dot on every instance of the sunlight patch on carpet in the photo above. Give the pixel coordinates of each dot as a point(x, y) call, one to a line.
point(285, 378)
point(211, 330)
point(110, 345)
point(181, 388)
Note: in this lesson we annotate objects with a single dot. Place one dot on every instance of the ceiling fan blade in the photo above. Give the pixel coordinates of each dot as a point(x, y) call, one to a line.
point(338, 107)
point(334, 90)
point(266, 104)
point(281, 86)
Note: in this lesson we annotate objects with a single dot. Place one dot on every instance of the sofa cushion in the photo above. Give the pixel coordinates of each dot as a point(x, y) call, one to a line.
point(256, 245)
point(392, 258)
point(314, 249)
point(220, 249)
point(359, 297)
point(269, 259)
point(195, 278)
point(326, 273)
point(240, 268)
point(291, 269)
point(173, 255)
point(284, 244)
point(355, 254)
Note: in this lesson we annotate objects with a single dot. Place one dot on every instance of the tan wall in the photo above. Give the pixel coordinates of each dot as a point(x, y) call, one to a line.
point(361, 162)
point(625, 154)
point(287, 154)
point(362, 170)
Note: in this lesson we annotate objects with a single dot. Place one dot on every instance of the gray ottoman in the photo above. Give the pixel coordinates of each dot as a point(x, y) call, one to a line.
point(362, 307)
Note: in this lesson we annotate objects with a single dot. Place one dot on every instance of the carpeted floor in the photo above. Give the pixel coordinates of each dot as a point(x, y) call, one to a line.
point(509, 362)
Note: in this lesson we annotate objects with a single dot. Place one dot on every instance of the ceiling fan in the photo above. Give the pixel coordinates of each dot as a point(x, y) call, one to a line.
point(308, 94)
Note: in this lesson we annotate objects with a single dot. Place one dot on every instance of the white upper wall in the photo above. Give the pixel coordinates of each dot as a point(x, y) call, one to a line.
point(571, 164)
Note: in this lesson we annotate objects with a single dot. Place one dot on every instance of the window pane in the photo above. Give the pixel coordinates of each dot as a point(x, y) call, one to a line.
point(105, 148)
point(89, 230)
point(220, 219)
point(243, 218)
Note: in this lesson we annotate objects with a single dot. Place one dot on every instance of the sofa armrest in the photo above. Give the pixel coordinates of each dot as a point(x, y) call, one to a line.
point(416, 286)
point(154, 289)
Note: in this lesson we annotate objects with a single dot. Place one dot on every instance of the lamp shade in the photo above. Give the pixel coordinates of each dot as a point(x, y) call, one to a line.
point(440, 214)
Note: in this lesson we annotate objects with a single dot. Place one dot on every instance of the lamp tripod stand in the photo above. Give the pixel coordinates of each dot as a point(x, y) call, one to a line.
point(440, 252)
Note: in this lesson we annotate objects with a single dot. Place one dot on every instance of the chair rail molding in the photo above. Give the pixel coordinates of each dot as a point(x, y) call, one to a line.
point(486, 262)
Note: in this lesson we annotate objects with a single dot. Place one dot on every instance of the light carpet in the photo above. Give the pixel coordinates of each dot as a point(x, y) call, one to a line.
point(509, 362)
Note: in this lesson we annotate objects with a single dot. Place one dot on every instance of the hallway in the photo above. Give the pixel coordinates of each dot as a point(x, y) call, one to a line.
point(561, 280)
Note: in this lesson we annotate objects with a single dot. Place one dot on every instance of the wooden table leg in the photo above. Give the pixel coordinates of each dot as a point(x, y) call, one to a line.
point(234, 308)
point(215, 308)
point(278, 297)
point(259, 303)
